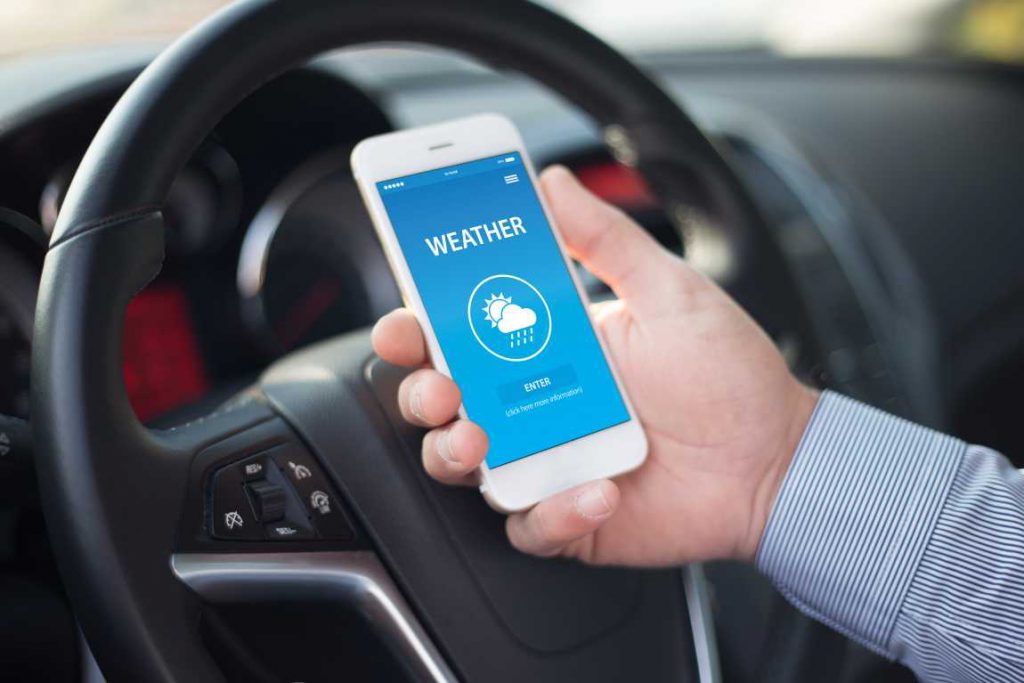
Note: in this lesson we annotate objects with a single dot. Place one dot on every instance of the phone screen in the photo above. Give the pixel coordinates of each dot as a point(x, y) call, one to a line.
point(510, 323)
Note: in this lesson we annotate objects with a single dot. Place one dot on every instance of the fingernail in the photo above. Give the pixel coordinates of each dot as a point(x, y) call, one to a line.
point(416, 401)
point(591, 503)
point(444, 447)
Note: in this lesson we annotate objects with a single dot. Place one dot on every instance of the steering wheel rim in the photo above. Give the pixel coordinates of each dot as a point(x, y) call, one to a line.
point(113, 543)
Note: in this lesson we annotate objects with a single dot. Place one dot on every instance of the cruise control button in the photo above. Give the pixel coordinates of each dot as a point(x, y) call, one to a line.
point(301, 470)
point(297, 468)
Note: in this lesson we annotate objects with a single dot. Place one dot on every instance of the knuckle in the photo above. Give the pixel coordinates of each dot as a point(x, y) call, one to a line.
point(428, 454)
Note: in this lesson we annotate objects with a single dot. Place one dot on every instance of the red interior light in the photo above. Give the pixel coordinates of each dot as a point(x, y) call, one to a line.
point(616, 184)
point(162, 365)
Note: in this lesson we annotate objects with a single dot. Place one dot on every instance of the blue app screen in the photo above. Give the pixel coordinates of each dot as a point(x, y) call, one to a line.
point(509, 321)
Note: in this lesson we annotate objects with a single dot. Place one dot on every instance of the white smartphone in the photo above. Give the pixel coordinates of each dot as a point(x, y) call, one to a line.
point(480, 262)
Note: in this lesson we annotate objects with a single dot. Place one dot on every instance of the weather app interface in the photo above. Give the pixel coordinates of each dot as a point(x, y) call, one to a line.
point(510, 323)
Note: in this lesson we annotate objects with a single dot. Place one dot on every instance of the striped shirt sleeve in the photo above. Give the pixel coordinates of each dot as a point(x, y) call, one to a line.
point(906, 540)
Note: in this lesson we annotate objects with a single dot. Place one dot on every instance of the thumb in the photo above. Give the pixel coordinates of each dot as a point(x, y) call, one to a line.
point(607, 241)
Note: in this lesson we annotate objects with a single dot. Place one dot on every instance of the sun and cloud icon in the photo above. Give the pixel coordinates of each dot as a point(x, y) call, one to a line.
point(511, 319)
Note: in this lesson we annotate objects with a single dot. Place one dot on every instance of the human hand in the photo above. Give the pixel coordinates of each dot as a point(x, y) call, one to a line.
point(722, 413)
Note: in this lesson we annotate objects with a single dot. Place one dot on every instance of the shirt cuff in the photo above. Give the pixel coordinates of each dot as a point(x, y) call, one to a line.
point(854, 515)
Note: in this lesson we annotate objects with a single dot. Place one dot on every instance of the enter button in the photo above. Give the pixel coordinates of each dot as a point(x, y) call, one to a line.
point(537, 385)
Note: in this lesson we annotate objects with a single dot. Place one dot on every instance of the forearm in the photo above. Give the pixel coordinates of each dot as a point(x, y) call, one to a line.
point(906, 540)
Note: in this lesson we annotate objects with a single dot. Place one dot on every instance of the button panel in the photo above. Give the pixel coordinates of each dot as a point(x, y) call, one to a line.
point(279, 495)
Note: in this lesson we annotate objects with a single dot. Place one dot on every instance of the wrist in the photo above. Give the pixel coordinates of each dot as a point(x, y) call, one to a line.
point(802, 402)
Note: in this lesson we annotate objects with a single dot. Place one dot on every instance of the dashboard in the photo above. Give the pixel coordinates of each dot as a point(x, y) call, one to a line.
point(269, 247)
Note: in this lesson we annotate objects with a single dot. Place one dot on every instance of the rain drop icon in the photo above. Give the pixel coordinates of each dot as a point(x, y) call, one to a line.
point(522, 337)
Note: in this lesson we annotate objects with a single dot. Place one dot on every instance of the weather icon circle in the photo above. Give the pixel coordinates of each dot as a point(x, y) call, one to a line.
point(509, 318)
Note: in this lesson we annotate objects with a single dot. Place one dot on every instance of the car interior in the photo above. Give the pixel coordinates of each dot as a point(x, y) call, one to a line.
point(188, 277)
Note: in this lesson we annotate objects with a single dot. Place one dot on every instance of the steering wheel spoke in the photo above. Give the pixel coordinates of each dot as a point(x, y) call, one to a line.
point(355, 580)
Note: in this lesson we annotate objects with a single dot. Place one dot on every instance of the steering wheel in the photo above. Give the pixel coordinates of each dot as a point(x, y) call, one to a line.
point(307, 489)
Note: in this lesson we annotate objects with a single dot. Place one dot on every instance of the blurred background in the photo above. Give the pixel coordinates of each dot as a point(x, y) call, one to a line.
point(988, 29)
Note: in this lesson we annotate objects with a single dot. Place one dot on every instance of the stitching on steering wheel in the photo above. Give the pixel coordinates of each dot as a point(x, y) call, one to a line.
point(115, 219)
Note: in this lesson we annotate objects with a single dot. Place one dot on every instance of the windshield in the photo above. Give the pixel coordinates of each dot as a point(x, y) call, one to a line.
point(980, 28)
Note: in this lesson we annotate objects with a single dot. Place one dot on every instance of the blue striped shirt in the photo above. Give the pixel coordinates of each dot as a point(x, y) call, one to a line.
point(906, 540)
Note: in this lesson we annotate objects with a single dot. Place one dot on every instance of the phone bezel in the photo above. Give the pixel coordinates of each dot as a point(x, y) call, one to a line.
point(519, 484)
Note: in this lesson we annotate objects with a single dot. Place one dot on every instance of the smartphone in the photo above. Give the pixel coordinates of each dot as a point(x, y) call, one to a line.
point(480, 262)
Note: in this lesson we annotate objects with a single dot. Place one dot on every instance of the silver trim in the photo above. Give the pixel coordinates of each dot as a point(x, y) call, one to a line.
point(90, 669)
point(355, 578)
point(702, 623)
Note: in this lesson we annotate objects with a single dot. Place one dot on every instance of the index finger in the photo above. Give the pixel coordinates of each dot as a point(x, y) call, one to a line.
point(608, 242)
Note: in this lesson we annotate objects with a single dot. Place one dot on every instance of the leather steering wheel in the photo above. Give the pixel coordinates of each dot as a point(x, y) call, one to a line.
point(141, 519)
